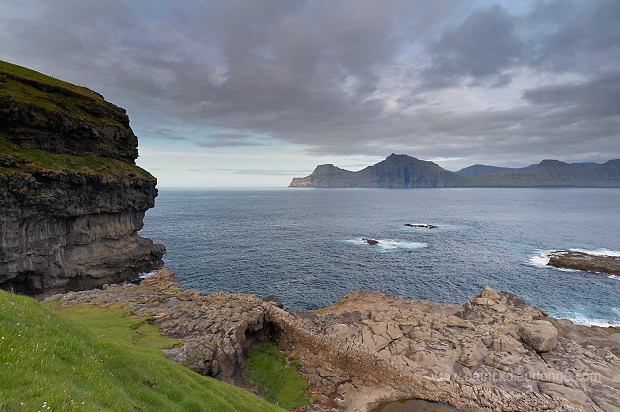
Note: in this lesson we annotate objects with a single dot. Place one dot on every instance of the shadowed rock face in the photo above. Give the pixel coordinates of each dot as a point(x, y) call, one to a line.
point(71, 198)
point(493, 353)
point(585, 261)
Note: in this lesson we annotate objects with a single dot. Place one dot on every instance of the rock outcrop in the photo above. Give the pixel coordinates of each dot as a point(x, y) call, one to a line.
point(570, 259)
point(402, 171)
point(494, 353)
point(71, 197)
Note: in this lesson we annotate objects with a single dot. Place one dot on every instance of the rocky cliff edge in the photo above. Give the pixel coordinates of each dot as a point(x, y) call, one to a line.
point(71, 198)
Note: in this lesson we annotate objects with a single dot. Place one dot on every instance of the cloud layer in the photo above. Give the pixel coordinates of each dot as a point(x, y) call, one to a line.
point(469, 81)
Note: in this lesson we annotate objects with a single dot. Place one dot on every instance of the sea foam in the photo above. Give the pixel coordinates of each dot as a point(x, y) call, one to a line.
point(541, 258)
point(388, 245)
point(580, 319)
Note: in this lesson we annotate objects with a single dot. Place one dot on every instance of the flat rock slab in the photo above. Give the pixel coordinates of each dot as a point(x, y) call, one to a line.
point(567, 259)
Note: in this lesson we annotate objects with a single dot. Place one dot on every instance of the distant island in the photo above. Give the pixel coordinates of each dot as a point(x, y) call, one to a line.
point(403, 171)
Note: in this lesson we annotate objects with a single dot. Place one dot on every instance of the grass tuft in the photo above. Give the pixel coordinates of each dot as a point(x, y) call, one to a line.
point(268, 370)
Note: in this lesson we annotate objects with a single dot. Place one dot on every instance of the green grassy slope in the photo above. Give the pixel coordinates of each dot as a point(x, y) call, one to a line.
point(82, 358)
point(15, 160)
point(268, 370)
point(26, 86)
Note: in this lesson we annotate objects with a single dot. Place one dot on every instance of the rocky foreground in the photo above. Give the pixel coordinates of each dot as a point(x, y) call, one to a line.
point(494, 353)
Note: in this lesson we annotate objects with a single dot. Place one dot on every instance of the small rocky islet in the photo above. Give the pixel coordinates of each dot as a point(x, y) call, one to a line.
point(73, 201)
point(570, 259)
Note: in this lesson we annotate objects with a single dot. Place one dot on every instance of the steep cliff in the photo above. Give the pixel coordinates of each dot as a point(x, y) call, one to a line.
point(402, 171)
point(71, 198)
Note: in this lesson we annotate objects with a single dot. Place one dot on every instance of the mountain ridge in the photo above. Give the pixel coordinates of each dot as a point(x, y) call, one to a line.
point(404, 171)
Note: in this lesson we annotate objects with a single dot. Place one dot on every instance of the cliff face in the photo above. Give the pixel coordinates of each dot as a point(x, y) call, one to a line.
point(402, 171)
point(71, 198)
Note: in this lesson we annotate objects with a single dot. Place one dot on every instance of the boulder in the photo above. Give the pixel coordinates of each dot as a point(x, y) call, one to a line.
point(540, 335)
point(274, 300)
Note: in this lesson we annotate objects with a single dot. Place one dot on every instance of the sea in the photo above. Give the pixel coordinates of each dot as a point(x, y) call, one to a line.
point(305, 245)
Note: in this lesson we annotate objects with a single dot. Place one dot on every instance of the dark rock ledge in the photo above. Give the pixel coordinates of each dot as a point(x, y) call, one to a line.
point(493, 353)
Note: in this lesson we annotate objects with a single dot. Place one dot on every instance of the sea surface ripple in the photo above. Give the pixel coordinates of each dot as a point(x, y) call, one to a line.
point(305, 245)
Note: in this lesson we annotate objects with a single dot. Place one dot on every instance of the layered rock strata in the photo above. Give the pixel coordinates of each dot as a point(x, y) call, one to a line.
point(494, 353)
point(71, 198)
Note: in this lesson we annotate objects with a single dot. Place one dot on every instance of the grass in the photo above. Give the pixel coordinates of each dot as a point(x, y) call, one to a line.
point(15, 160)
point(83, 357)
point(268, 370)
point(16, 84)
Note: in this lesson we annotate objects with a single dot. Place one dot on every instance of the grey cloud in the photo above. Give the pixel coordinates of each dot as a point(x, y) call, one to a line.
point(229, 143)
point(598, 97)
point(580, 36)
point(229, 135)
point(266, 172)
point(485, 45)
point(344, 77)
point(263, 172)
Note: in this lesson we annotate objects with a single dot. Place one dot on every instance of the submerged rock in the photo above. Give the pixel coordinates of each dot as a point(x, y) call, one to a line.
point(421, 225)
point(569, 259)
point(371, 242)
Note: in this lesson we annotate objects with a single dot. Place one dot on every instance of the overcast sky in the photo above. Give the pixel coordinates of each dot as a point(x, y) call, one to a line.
point(251, 93)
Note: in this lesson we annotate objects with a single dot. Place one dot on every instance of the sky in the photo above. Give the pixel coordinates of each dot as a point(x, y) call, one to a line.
point(252, 93)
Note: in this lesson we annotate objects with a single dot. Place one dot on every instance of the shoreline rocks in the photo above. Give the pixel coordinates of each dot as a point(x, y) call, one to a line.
point(493, 353)
point(569, 259)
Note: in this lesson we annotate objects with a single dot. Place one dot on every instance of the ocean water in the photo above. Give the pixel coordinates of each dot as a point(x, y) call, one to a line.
point(304, 245)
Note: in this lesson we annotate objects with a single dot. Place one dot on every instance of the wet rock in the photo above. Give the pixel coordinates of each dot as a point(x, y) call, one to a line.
point(421, 225)
point(371, 242)
point(584, 261)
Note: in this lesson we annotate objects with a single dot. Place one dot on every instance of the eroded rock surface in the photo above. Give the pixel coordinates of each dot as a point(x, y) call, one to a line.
point(494, 353)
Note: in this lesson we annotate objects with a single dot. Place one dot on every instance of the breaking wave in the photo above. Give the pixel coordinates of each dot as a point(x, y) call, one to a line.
point(541, 258)
point(387, 245)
